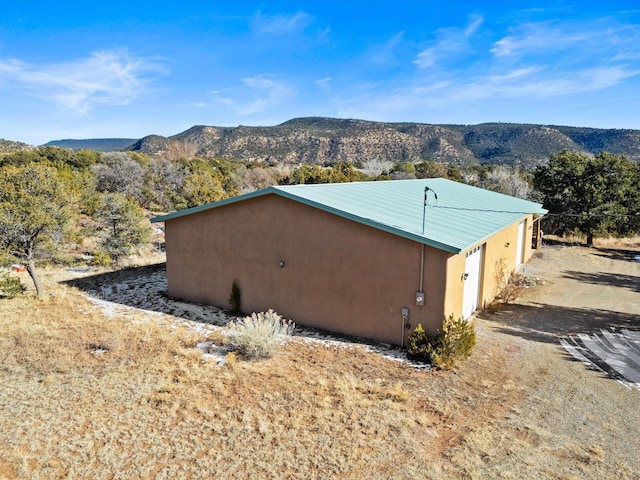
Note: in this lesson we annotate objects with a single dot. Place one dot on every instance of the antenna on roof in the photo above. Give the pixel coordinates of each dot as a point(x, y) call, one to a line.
point(424, 205)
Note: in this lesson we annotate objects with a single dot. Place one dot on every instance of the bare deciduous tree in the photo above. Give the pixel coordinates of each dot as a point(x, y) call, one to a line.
point(163, 179)
point(117, 173)
point(507, 180)
point(177, 149)
point(253, 179)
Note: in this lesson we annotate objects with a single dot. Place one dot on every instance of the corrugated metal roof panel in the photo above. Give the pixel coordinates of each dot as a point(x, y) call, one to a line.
point(461, 216)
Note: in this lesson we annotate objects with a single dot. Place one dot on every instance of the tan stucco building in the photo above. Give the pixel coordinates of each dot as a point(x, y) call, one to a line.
point(368, 259)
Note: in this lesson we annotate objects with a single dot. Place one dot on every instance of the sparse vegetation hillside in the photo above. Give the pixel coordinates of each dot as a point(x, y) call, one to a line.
point(326, 141)
point(8, 146)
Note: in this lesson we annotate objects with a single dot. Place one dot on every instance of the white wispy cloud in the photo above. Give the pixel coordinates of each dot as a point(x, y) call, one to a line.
point(11, 67)
point(534, 60)
point(281, 24)
point(535, 82)
point(324, 83)
point(385, 53)
point(474, 26)
point(541, 37)
point(525, 84)
point(627, 55)
point(112, 77)
point(256, 94)
point(448, 41)
point(592, 37)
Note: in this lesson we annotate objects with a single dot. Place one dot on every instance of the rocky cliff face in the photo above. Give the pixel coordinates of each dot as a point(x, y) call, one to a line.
point(326, 141)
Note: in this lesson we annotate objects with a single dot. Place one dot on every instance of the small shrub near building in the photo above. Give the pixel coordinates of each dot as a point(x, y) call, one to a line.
point(258, 335)
point(100, 258)
point(513, 288)
point(509, 284)
point(235, 299)
point(453, 343)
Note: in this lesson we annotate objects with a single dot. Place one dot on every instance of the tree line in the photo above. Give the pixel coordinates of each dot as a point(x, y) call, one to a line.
point(53, 200)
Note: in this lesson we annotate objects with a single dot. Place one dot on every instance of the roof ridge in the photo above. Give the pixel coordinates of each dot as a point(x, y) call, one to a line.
point(471, 214)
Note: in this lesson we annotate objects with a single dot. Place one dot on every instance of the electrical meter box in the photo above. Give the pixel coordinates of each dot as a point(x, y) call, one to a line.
point(420, 299)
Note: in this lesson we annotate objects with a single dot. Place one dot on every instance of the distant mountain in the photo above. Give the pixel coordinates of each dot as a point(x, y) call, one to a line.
point(329, 140)
point(8, 146)
point(98, 144)
point(326, 141)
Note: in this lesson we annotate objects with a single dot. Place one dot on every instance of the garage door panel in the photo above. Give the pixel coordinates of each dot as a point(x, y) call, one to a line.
point(520, 246)
point(472, 281)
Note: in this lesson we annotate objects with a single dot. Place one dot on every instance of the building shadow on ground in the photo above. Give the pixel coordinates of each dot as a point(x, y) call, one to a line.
point(146, 288)
point(548, 323)
point(139, 287)
point(131, 275)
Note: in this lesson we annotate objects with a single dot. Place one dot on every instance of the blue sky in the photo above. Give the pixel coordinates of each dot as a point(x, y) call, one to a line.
point(86, 69)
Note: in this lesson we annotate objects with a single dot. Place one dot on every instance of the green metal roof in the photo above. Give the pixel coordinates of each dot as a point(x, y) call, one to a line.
point(460, 218)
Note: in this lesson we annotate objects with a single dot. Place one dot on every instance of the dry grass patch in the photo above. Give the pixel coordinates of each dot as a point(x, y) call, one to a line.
point(88, 396)
point(601, 242)
point(65, 334)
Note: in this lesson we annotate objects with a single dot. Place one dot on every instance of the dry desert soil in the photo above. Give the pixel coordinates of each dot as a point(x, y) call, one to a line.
point(570, 421)
point(519, 407)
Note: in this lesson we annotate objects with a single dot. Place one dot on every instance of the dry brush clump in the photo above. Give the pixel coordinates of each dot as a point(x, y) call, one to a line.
point(257, 336)
point(509, 284)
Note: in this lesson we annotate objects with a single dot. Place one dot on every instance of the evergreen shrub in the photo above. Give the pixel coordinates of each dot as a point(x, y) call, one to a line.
point(10, 287)
point(453, 342)
point(101, 259)
point(235, 299)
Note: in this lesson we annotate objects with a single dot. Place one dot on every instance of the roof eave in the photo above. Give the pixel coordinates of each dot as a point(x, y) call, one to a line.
point(209, 206)
point(282, 192)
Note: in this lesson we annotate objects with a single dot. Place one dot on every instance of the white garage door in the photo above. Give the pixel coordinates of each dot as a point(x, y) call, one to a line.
point(471, 293)
point(520, 247)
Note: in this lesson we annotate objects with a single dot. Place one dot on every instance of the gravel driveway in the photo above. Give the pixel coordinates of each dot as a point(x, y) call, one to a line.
point(574, 421)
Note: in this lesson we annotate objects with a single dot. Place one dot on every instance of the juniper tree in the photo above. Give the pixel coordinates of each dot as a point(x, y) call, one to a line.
point(593, 195)
point(36, 208)
point(122, 228)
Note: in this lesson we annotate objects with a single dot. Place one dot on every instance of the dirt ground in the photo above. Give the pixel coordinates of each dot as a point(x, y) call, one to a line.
point(519, 407)
point(569, 421)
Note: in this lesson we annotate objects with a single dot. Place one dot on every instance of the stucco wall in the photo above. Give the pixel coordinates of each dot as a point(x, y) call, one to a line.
point(500, 251)
point(338, 275)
